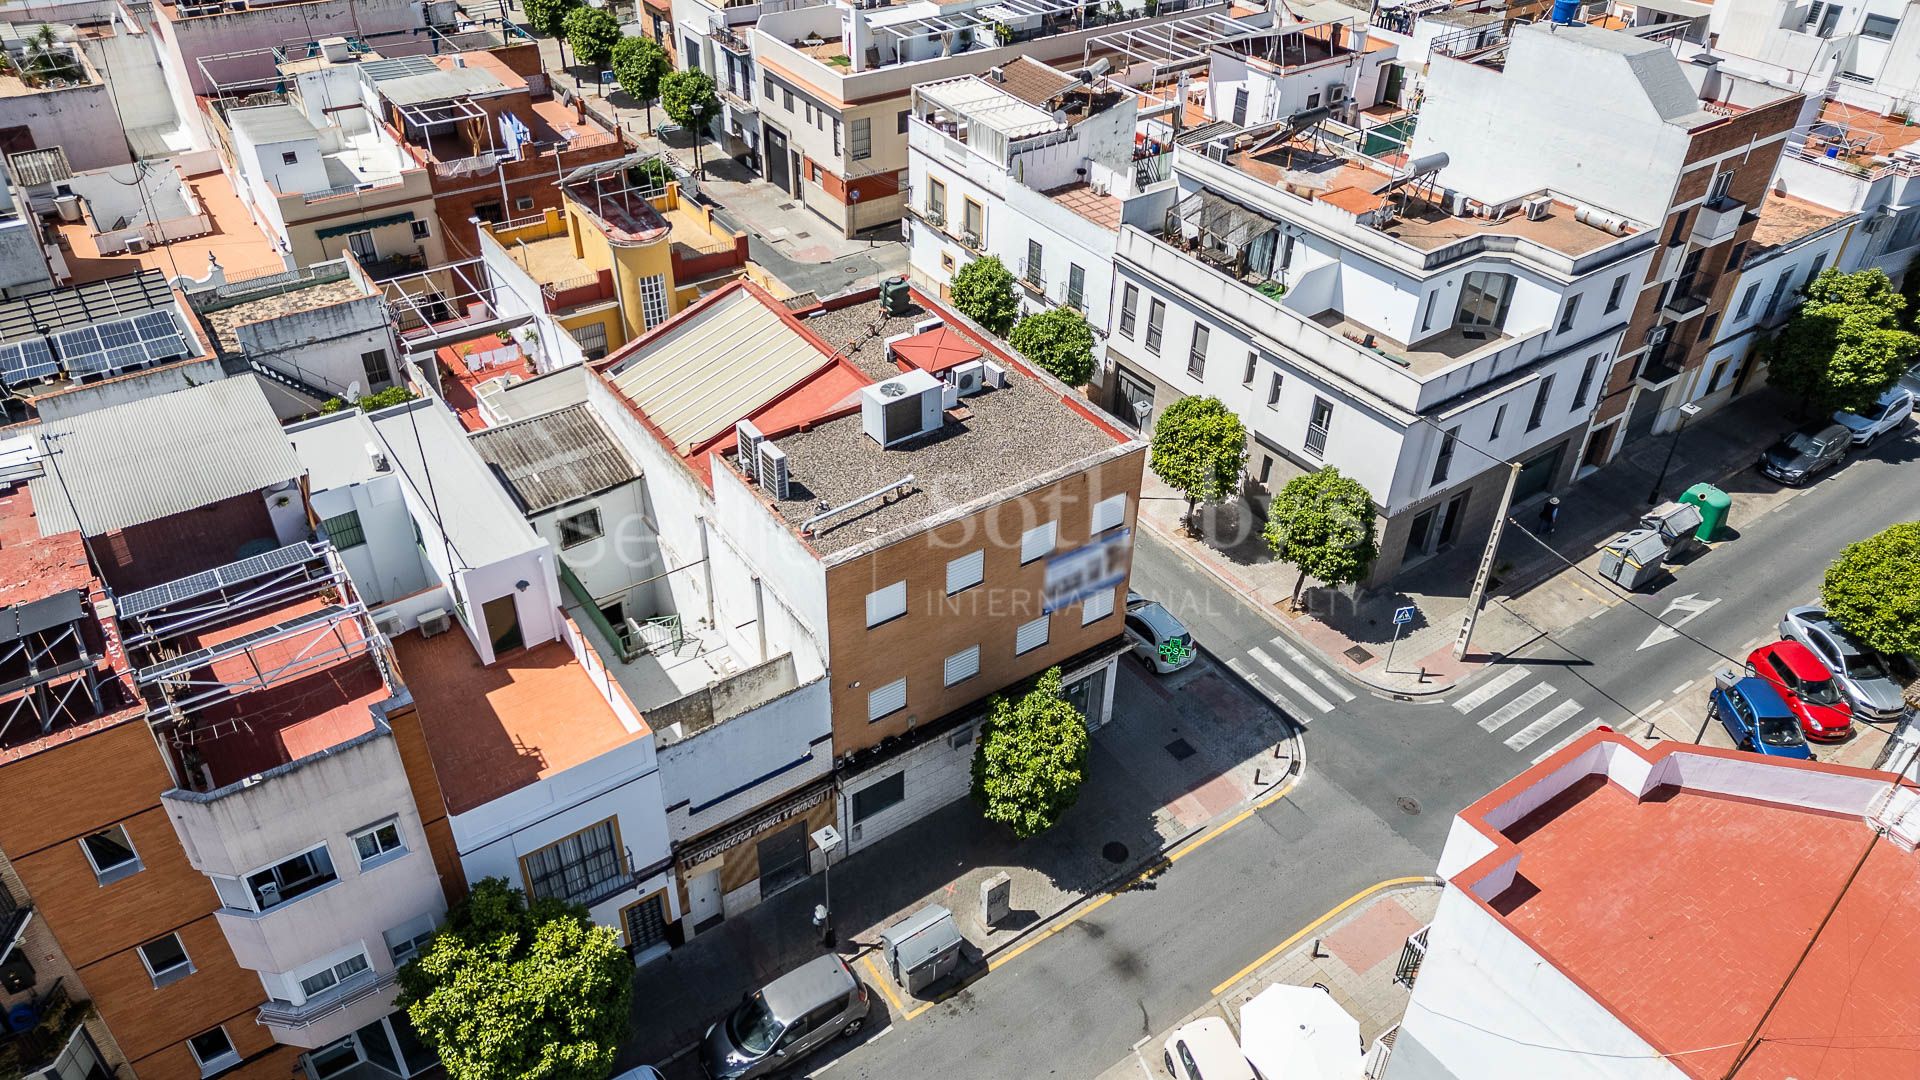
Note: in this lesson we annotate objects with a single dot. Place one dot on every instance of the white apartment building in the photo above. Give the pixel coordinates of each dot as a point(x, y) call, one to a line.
point(1358, 316)
point(1864, 53)
point(1852, 160)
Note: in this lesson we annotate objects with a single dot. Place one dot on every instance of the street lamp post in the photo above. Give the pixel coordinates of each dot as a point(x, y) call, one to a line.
point(826, 838)
point(1687, 412)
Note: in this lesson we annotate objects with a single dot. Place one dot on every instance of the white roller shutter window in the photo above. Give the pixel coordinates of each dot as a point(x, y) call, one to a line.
point(887, 603)
point(1030, 636)
point(886, 700)
point(1108, 513)
point(966, 571)
point(963, 665)
point(1036, 542)
point(1095, 607)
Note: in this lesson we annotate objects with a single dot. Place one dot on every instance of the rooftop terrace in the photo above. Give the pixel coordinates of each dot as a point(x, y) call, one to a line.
point(304, 295)
point(1785, 219)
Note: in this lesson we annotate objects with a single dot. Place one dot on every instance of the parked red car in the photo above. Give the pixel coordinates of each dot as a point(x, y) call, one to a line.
point(1808, 687)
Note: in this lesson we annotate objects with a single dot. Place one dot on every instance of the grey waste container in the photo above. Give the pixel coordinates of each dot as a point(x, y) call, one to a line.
point(1633, 559)
point(1677, 523)
point(922, 948)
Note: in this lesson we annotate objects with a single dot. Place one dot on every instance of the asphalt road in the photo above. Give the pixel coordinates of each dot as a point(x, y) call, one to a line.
point(1382, 782)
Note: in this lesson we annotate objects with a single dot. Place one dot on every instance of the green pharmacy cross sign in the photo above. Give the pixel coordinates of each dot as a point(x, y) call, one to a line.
point(1173, 651)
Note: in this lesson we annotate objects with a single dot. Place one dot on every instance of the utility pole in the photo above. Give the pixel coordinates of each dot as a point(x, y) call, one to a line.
point(1486, 563)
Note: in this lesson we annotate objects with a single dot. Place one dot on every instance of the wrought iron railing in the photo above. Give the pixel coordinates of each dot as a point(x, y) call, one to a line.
point(1411, 954)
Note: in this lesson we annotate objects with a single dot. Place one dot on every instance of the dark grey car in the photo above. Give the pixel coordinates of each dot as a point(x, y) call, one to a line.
point(1805, 452)
point(785, 1021)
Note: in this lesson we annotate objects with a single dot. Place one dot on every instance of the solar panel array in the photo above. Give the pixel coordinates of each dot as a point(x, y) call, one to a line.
point(109, 347)
point(234, 573)
point(25, 361)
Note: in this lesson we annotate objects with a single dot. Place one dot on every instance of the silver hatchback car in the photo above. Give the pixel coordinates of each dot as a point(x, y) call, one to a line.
point(1870, 689)
point(785, 1021)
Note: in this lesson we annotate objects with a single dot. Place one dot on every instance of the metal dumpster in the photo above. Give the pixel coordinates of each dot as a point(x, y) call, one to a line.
point(1713, 504)
point(1678, 524)
point(922, 948)
point(1632, 559)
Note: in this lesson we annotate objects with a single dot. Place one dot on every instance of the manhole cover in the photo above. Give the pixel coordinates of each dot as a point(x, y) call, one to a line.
point(1358, 655)
point(852, 269)
point(1407, 806)
point(1114, 852)
point(803, 236)
point(1181, 749)
point(786, 206)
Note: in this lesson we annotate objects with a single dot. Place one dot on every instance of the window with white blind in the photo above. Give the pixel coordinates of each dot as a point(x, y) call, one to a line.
point(1096, 607)
point(886, 700)
point(886, 604)
point(1036, 542)
point(1109, 512)
point(1030, 636)
point(966, 571)
point(963, 665)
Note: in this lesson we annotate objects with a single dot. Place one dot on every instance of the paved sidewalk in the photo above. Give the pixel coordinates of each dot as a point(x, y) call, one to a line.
point(1180, 754)
point(1533, 591)
point(1354, 955)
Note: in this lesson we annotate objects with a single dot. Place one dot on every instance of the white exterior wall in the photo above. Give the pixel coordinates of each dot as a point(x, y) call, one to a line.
point(625, 551)
point(80, 118)
point(188, 39)
point(386, 567)
point(738, 765)
point(138, 82)
point(323, 346)
point(765, 544)
point(1773, 33)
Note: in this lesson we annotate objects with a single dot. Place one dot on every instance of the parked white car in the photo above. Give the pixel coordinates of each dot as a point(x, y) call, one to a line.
point(1888, 413)
point(1206, 1050)
point(1161, 641)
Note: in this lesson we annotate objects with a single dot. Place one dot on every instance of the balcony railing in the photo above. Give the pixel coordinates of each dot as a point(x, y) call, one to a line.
point(352, 189)
point(284, 1014)
point(728, 38)
point(395, 264)
point(55, 1016)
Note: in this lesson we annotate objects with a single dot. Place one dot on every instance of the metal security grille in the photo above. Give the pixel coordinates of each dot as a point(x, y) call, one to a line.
point(1030, 636)
point(653, 300)
point(646, 924)
point(575, 867)
point(345, 531)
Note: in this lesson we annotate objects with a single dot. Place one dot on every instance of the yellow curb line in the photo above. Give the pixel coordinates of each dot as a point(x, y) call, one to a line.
point(881, 982)
point(1318, 923)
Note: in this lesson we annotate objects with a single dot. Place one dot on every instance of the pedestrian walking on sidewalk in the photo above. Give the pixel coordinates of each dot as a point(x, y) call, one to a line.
point(1549, 513)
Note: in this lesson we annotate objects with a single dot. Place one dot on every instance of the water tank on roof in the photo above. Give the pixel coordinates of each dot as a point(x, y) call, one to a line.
point(1565, 12)
point(894, 296)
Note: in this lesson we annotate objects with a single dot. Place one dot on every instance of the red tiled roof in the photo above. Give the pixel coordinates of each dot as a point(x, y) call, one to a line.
point(33, 566)
point(936, 350)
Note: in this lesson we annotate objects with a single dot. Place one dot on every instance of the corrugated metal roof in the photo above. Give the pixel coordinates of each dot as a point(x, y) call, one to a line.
point(272, 124)
point(33, 168)
point(717, 366)
point(981, 102)
point(556, 458)
point(145, 460)
point(441, 85)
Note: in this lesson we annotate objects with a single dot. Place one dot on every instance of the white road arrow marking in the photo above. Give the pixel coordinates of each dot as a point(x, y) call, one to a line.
point(1690, 608)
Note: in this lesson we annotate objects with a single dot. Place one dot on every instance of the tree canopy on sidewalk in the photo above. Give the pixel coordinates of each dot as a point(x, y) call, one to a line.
point(1322, 523)
point(1845, 345)
point(1058, 340)
point(1199, 447)
point(690, 100)
point(593, 33)
point(639, 63)
point(512, 991)
point(548, 16)
point(1873, 590)
point(1030, 759)
point(983, 292)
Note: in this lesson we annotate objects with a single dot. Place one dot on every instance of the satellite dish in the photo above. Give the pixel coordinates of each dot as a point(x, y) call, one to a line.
point(892, 389)
point(354, 392)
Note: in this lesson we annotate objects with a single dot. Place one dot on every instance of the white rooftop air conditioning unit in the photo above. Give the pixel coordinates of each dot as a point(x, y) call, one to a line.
point(378, 457)
point(969, 378)
point(1537, 207)
point(774, 471)
point(748, 439)
point(433, 622)
point(901, 408)
point(137, 244)
point(392, 626)
point(996, 376)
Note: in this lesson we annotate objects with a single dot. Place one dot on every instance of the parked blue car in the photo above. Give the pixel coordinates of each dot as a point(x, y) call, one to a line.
point(1758, 718)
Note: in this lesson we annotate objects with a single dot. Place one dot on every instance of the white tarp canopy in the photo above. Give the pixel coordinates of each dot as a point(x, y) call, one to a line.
point(981, 102)
point(1300, 1033)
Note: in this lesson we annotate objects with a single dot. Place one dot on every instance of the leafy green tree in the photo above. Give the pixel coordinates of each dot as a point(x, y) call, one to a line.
point(1059, 340)
point(1845, 345)
point(548, 17)
point(688, 97)
point(1873, 589)
point(512, 991)
point(1030, 759)
point(1322, 522)
point(983, 292)
point(639, 63)
point(1199, 446)
point(593, 32)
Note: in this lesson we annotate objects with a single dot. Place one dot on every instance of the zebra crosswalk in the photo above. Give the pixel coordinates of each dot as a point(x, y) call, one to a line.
point(1526, 712)
point(1281, 671)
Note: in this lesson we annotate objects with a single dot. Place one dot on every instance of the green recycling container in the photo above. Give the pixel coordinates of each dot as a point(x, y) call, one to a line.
point(1713, 504)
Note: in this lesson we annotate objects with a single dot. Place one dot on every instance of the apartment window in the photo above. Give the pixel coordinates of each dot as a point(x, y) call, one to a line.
point(653, 300)
point(769, 86)
point(287, 881)
point(1707, 324)
point(1539, 409)
point(1076, 287)
point(1156, 317)
point(166, 960)
point(1319, 425)
point(374, 366)
point(110, 853)
point(289, 158)
point(523, 203)
point(344, 531)
point(887, 604)
point(1879, 27)
point(879, 795)
point(860, 146)
point(1313, 100)
point(1614, 294)
point(963, 665)
point(937, 200)
point(1096, 607)
point(1266, 468)
point(329, 977)
point(1273, 391)
point(1499, 417)
point(213, 1051)
point(884, 701)
point(1717, 189)
point(1773, 299)
point(409, 939)
point(579, 528)
point(1821, 19)
point(1109, 512)
point(421, 230)
point(1032, 271)
point(1031, 635)
point(1253, 366)
point(975, 223)
point(1426, 312)
point(1037, 542)
point(1129, 300)
point(1484, 299)
point(965, 572)
point(809, 112)
point(1746, 300)
point(1678, 230)
point(372, 843)
point(1734, 255)
point(491, 212)
point(786, 98)
point(836, 132)
point(592, 339)
point(1197, 353)
point(1813, 272)
point(1586, 381)
point(900, 122)
point(1445, 461)
point(1567, 313)
point(577, 866)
